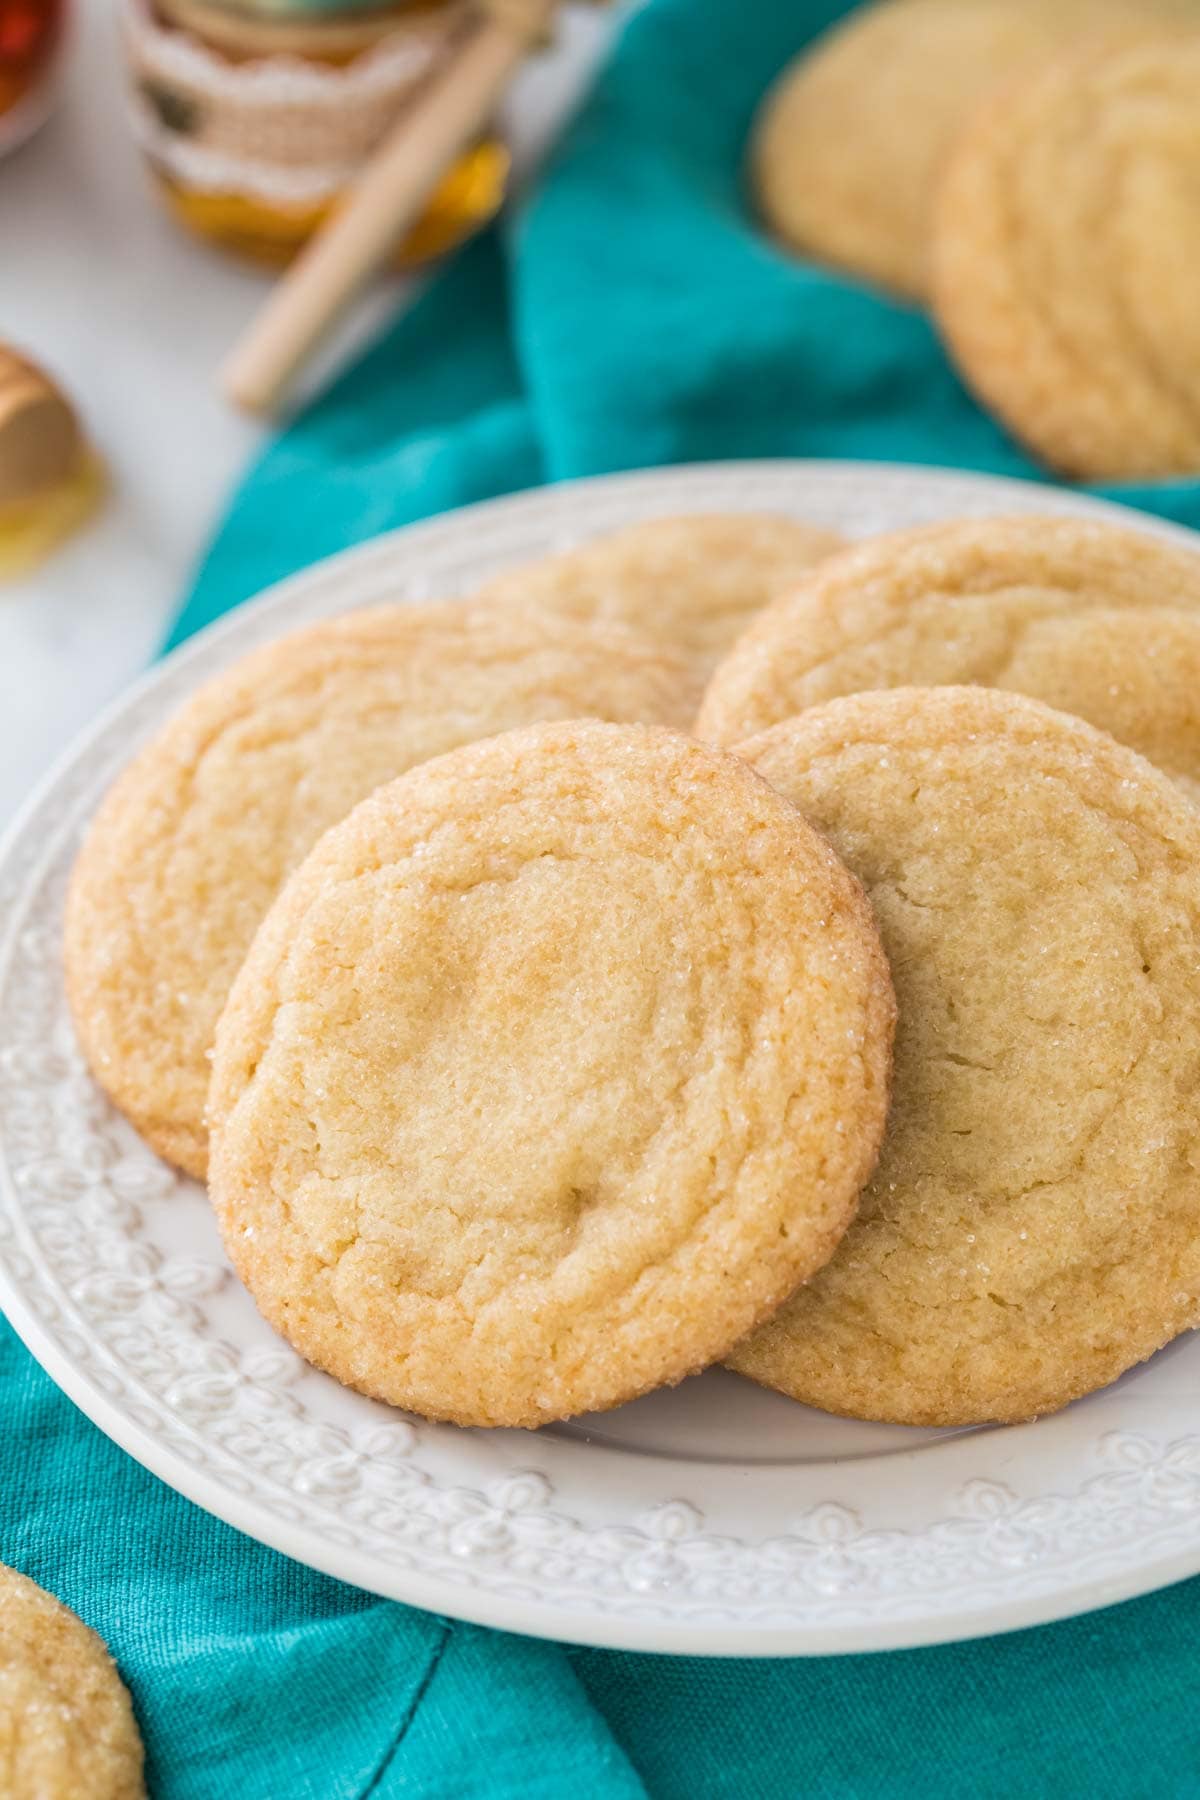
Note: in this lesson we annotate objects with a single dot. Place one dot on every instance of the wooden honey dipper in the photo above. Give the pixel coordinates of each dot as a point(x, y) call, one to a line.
point(446, 115)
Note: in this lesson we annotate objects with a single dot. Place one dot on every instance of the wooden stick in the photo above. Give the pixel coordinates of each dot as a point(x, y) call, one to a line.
point(386, 201)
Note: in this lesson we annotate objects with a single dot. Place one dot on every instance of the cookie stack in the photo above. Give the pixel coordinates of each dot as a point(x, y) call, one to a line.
point(540, 1053)
point(1030, 170)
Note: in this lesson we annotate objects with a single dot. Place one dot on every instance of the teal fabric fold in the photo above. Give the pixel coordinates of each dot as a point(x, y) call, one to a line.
point(631, 315)
point(433, 416)
point(255, 1678)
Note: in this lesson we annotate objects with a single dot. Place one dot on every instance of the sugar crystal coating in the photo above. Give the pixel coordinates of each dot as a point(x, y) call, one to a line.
point(553, 1069)
point(1033, 1226)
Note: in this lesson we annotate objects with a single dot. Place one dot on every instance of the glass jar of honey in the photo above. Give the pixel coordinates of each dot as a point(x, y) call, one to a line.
point(30, 38)
point(256, 115)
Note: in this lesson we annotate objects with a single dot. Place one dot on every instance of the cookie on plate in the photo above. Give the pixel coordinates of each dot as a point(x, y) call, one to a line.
point(1033, 1226)
point(849, 142)
point(1064, 270)
point(1091, 618)
point(195, 839)
point(554, 1068)
point(692, 582)
point(66, 1725)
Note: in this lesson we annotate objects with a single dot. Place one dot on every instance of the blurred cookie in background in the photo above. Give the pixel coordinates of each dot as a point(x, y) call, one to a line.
point(849, 142)
point(1066, 278)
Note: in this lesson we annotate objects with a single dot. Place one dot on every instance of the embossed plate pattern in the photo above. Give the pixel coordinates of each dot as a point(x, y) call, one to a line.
point(717, 1518)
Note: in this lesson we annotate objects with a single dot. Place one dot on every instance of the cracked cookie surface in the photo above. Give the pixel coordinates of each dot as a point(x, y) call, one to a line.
point(1032, 1228)
point(554, 1068)
point(850, 141)
point(66, 1724)
point(1092, 618)
point(691, 582)
point(195, 839)
point(1064, 272)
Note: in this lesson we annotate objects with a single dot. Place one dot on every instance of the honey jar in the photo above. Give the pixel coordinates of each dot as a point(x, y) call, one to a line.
point(30, 39)
point(51, 480)
point(256, 116)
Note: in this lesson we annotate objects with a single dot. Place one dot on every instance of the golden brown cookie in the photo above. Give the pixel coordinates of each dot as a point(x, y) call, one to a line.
point(692, 582)
point(1064, 259)
point(1089, 617)
point(67, 1729)
point(194, 841)
point(555, 1066)
point(1033, 1226)
point(849, 142)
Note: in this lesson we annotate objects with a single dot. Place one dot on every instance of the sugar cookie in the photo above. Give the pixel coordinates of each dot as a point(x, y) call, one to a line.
point(66, 1725)
point(692, 582)
point(1091, 618)
point(849, 142)
point(1064, 265)
point(555, 1067)
point(196, 837)
point(1033, 1226)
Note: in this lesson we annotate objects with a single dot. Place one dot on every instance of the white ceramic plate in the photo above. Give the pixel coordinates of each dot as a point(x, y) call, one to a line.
point(716, 1518)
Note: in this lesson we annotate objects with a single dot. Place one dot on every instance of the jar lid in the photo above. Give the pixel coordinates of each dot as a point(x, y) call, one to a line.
point(332, 29)
point(310, 9)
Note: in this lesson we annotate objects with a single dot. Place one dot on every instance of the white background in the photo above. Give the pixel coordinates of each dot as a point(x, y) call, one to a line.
point(134, 317)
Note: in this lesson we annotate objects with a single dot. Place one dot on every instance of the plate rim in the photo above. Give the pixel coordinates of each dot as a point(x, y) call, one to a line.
point(537, 1617)
point(602, 1631)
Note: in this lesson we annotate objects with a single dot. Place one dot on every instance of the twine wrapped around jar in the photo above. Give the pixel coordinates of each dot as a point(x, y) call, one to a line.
point(256, 117)
point(280, 126)
point(446, 114)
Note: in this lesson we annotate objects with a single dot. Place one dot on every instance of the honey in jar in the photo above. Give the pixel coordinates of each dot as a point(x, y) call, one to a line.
point(256, 117)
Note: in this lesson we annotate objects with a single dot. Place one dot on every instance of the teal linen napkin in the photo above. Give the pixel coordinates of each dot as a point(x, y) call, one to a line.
point(632, 316)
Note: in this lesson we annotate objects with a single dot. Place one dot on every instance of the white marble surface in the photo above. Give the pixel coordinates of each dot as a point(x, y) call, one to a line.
point(134, 317)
